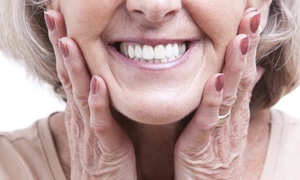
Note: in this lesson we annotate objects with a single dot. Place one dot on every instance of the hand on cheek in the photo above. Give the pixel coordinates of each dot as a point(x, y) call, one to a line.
point(205, 150)
point(99, 147)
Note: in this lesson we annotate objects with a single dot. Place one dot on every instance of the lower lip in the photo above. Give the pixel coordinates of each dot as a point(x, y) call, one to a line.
point(152, 66)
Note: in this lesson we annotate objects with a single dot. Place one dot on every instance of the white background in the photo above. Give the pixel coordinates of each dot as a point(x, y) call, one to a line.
point(23, 101)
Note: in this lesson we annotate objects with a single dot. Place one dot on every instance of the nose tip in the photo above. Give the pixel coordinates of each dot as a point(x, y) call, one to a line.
point(155, 10)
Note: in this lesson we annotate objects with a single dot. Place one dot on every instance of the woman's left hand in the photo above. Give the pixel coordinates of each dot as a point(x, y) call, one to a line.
point(205, 151)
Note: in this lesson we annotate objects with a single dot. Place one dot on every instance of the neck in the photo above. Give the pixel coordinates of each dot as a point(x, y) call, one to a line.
point(154, 145)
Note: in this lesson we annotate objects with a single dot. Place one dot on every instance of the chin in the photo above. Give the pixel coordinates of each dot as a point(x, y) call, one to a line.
point(157, 111)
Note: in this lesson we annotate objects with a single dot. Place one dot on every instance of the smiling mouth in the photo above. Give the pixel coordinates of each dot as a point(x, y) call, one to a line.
point(160, 53)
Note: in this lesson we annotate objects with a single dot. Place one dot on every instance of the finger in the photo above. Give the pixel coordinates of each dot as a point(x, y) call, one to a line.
point(235, 61)
point(250, 25)
point(196, 135)
point(78, 74)
point(112, 138)
point(56, 29)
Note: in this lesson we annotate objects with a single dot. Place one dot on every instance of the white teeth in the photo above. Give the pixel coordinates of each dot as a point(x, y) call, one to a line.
point(150, 54)
point(138, 51)
point(169, 50)
point(182, 49)
point(175, 49)
point(159, 52)
point(171, 59)
point(131, 52)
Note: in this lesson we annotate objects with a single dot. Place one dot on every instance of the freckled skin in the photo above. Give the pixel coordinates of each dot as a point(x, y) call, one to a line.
point(153, 97)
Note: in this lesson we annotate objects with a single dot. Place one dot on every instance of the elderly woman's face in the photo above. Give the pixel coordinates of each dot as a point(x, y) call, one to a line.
point(154, 55)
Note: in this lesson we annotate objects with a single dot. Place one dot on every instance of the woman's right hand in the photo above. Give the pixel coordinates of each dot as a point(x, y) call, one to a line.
point(99, 147)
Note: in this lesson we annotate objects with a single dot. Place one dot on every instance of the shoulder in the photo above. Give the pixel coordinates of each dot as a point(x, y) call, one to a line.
point(280, 117)
point(283, 152)
point(286, 125)
point(28, 134)
point(22, 154)
point(285, 129)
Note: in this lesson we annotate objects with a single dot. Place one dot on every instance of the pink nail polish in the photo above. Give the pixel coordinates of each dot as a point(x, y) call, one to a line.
point(94, 87)
point(63, 47)
point(219, 82)
point(244, 46)
point(49, 21)
point(254, 22)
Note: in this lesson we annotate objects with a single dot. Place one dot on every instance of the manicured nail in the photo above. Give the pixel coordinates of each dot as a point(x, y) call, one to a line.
point(244, 45)
point(94, 87)
point(63, 48)
point(49, 21)
point(254, 22)
point(219, 82)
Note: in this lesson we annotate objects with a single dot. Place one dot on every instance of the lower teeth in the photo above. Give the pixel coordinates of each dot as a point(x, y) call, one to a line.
point(170, 59)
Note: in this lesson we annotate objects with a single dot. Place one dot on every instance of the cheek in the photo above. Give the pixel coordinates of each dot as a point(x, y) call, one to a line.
point(86, 19)
point(219, 20)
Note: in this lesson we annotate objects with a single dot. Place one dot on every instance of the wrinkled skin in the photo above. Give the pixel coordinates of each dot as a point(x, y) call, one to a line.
point(101, 149)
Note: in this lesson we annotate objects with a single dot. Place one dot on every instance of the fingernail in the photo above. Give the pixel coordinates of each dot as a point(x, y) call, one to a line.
point(63, 48)
point(94, 87)
point(219, 82)
point(254, 22)
point(49, 21)
point(244, 45)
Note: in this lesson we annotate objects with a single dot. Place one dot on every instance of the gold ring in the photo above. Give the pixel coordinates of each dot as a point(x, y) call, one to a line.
point(223, 119)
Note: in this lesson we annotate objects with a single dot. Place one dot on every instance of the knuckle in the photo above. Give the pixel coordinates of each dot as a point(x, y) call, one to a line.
point(246, 81)
point(68, 87)
point(81, 100)
point(96, 106)
point(213, 104)
point(63, 75)
point(101, 127)
point(228, 100)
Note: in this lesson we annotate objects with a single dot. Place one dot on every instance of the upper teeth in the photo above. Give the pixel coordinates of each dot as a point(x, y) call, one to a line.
point(159, 53)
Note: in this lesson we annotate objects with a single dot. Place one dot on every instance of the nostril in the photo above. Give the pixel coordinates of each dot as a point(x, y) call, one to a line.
point(171, 13)
point(154, 10)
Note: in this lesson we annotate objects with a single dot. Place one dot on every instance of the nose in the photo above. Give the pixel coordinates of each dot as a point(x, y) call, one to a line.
point(154, 10)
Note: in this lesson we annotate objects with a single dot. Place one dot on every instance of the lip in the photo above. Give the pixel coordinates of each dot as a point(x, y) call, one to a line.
point(152, 66)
